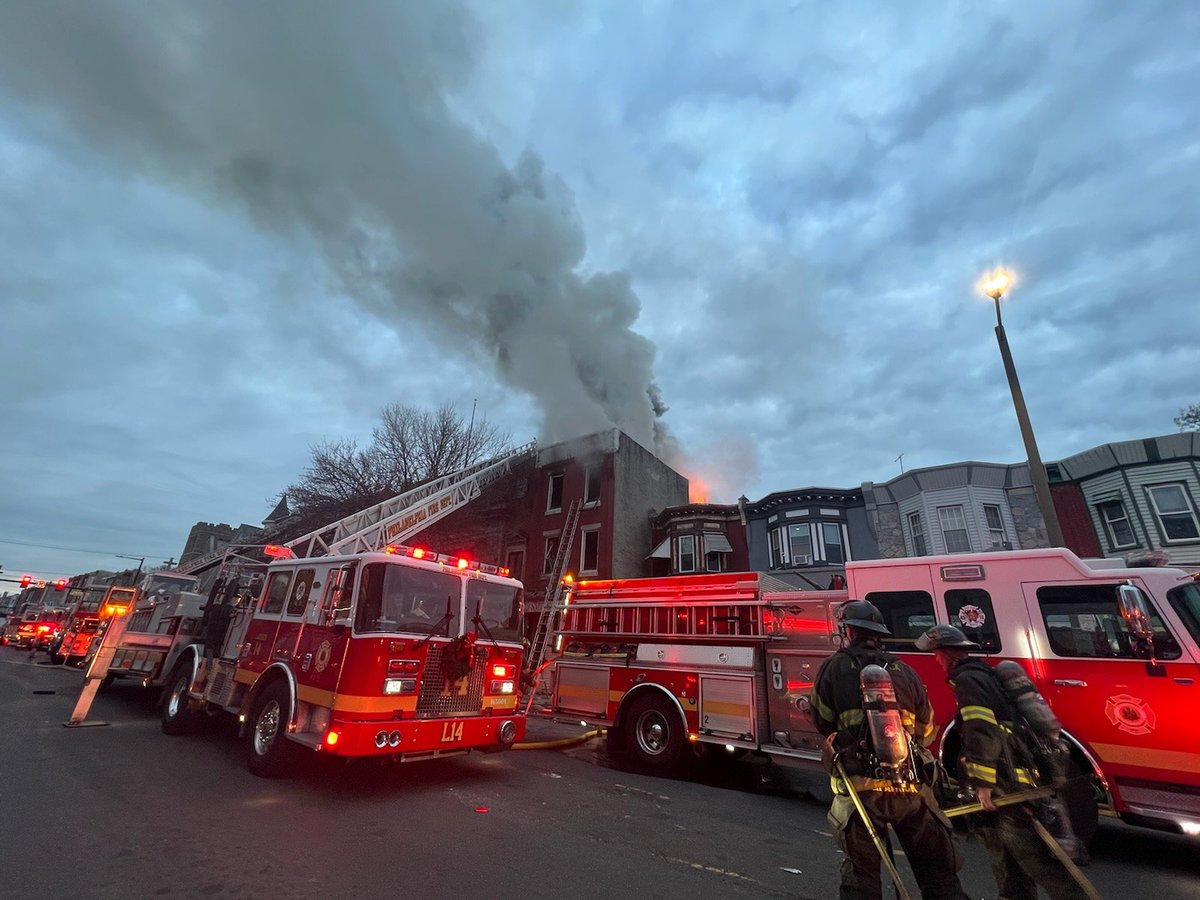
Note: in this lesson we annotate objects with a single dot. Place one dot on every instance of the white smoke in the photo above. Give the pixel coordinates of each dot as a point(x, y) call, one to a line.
point(329, 124)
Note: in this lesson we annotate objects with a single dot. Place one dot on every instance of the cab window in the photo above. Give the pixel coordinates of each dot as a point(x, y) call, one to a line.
point(298, 597)
point(497, 607)
point(276, 592)
point(1083, 621)
point(907, 615)
point(971, 610)
point(1185, 600)
point(399, 598)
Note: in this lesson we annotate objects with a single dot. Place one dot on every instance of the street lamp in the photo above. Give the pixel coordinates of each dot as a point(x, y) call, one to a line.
point(140, 559)
point(995, 284)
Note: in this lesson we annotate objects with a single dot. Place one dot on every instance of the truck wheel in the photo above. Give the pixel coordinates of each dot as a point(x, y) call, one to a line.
point(1079, 797)
point(178, 717)
point(269, 754)
point(654, 737)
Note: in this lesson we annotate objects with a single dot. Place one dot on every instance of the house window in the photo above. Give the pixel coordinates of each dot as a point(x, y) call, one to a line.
point(551, 554)
point(554, 494)
point(800, 544)
point(591, 488)
point(831, 534)
point(995, 525)
point(776, 541)
point(1116, 524)
point(514, 561)
point(917, 531)
point(954, 529)
point(589, 554)
point(686, 544)
point(1176, 518)
point(716, 561)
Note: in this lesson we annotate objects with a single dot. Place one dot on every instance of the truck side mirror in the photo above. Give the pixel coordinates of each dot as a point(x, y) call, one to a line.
point(1136, 614)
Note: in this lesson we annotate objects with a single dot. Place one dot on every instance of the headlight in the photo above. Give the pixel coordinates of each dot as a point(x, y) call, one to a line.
point(399, 685)
point(501, 687)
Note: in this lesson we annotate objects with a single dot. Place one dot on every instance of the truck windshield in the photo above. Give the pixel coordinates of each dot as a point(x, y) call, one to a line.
point(401, 598)
point(498, 607)
point(1185, 601)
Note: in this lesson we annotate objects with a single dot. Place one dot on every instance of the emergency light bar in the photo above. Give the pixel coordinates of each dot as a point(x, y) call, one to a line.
point(275, 551)
point(457, 562)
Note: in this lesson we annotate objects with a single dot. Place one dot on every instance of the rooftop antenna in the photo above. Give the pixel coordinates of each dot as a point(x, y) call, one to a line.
point(900, 459)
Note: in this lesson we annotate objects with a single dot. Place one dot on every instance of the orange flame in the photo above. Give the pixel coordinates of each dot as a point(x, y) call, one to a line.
point(698, 490)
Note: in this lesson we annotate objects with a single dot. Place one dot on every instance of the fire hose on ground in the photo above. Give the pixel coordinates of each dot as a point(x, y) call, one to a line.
point(560, 744)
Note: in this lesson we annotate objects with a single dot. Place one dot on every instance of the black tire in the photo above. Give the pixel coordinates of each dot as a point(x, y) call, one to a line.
point(654, 735)
point(269, 754)
point(1080, 797)
point(178, 716)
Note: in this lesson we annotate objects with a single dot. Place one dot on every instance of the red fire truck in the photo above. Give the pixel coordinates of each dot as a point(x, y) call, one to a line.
point(84, 623)
point(728, 660)
point(357, 645)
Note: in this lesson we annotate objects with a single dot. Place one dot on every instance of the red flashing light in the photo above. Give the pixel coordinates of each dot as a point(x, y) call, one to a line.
point(26, 580)
point(505, 572)
point(275, 551)
point(418, 553)
point(462, 562)
point(331, 738)
point(42, 629)
point(391, 549)
point(60, 584)
point(503, 671)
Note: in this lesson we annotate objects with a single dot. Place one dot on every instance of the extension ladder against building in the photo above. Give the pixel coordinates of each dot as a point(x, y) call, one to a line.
point(543, 633)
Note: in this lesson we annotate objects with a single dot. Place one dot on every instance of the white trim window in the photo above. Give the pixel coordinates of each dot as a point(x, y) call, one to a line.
point(1117, 527)
point(550, 554)
point(591, 485)
point(995, 526)
point(589, 550)
point(954, 529)
point(916, 531)
point(800, 544)
point(685, 553)
point(775, 540)
point(554, 493)
point(831, 538)
point(1176, 516)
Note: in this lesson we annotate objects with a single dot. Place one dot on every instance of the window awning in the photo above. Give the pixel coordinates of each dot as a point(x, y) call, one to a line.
point(717, 543)
point(662, 551)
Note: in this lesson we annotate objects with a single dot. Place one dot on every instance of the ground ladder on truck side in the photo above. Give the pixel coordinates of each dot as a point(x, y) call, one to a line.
point(543, 633)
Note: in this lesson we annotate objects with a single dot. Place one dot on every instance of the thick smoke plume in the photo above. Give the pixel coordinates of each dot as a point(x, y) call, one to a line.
point(332, 124)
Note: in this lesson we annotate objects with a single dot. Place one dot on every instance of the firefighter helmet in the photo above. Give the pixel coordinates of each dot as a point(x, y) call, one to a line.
point(940, 636)
point(863, 614)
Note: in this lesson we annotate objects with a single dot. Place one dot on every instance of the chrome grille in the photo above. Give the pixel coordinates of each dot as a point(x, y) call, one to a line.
point(437, 698)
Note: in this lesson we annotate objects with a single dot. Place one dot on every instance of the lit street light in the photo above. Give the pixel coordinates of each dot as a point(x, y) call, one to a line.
point(995, 284)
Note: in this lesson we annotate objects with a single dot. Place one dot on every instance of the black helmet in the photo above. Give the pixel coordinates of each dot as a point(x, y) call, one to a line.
point(944, 636)
point(863, 614)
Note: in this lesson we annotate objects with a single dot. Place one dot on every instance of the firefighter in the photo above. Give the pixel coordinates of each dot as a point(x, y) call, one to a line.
point(990, 764)
point(906, 804)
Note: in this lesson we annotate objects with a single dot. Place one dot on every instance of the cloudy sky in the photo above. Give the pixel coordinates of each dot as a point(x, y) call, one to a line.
point(745, 233)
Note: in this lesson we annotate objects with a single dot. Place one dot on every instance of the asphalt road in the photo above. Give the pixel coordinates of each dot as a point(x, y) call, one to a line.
point(122, 810)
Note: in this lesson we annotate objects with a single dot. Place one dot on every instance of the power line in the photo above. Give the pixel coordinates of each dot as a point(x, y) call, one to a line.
point(75, 549)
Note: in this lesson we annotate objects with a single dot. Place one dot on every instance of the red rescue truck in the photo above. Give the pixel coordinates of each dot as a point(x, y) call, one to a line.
point(728, 659)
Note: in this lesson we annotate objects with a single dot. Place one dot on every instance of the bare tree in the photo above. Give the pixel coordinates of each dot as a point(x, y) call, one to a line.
point(409, 446)
point(1189, 418)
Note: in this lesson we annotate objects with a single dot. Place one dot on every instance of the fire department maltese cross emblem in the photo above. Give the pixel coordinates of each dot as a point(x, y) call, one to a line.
point(1130, 714)
point(323, 653)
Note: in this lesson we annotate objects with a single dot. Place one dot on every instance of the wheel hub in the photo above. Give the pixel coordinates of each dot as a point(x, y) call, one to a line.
point(266, 728)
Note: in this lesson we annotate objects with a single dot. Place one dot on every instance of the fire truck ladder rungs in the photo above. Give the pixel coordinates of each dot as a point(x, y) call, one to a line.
point(544, 631)
point(394, 521)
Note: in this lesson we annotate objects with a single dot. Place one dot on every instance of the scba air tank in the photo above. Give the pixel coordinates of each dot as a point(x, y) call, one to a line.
point(884, 726)
point(1023, 694)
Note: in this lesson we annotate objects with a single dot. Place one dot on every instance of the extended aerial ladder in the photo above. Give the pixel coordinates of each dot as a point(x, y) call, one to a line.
point(396, 520)
point(391, 522)
point(543, 632)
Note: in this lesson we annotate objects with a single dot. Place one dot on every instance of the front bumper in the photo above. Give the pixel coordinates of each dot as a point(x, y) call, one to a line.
point(423, 738)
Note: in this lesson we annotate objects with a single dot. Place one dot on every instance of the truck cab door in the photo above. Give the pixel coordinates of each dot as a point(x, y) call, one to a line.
point(291, 622)
point(1133, 714)
point(321, 644)
point(258, 648)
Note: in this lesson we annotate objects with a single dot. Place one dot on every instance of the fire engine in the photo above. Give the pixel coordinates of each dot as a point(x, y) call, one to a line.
point(161, 625)
point(728, 659)
point(84, 622)
point(358, 645)
point(35, 627)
